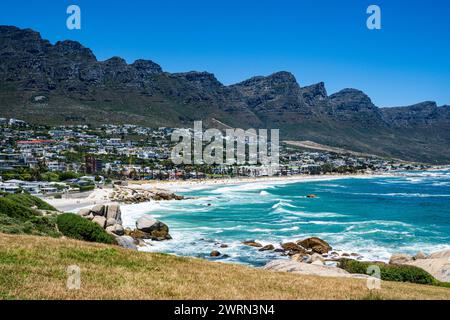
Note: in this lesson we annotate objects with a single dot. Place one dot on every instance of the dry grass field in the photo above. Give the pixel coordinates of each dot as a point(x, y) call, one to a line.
point(35, 268)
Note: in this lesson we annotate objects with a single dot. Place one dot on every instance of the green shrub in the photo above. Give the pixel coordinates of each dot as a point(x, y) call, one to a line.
point(76, 227)
point(68, 175)
point(17, 216)
point(390, 272)
point(49, 176)
point(30, 201)
point(86, 188)
point(13, 209)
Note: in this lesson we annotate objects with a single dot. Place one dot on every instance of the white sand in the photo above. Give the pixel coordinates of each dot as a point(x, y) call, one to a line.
point(195, 184)
point(73, 202)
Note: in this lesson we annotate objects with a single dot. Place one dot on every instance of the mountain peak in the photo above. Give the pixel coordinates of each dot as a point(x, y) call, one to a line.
point(314, 93)
point(274, 79)
point(74, 50)
point(4, 30)
point(147, 66)
point(205, 79)
point(81, 89)
point(424, 105)
point(116, 61)
point(283, 76)
point(350, 97)
point(420, 114)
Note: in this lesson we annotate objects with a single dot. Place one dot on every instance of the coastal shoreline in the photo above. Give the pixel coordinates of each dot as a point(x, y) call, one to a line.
point(100, 196)
point(196, 184)
point(135, 210)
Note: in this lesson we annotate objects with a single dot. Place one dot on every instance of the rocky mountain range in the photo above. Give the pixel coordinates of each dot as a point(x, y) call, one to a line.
point(64, 83)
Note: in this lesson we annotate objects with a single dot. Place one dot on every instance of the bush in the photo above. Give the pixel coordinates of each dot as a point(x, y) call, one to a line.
point(76, 227)
point(68, 175)
point(49, 176)
point(86, 188)
point(30, 201)
point(14, 209)
point(17, 216)
point(391, 272)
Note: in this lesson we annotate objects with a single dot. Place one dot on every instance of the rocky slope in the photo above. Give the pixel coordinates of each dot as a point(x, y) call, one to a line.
point(66, 81)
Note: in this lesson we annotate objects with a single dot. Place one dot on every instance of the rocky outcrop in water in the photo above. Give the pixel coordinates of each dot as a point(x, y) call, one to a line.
point(252, 243)
point(400, 258)
point(315, 244)
point(109, 217)
point(150, 228)
point(135, 195)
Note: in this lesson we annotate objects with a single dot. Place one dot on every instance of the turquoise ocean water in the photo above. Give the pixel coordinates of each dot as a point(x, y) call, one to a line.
point(374, 217)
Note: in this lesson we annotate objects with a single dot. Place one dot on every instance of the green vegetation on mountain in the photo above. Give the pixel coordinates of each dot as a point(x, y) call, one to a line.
point(64, 83)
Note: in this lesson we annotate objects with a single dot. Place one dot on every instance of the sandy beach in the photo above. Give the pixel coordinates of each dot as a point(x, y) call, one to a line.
point(75, 201)
point(72, 202)
point(184, 185)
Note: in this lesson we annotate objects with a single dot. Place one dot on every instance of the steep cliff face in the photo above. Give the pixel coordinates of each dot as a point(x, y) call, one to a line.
point(314, 95)
point(78, 88)
point(34, 63)
point(422, 114)
point(354, 106)
point(277, 92)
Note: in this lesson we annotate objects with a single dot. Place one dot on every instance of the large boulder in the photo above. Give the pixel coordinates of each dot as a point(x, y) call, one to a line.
point(438, 268)
point(101, 221)
point(112, 211)
point(116, 229)
point(440, 254)
point(309, 269)
point(317, 259)
point(136, 234)
point(215, 253)
point(268, 247)
point(84, 212)
point(110, 222)
point(420, 255)
point(98, 210)
point(135, 195)
point(301, 258)
point(315, 244)
point(153, 229)
point(126, 242)
point(252, 243)
point(400, 258)
point(292, 248)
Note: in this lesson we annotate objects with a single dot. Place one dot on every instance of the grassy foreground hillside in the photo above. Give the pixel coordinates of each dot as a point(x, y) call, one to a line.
point(35, 268)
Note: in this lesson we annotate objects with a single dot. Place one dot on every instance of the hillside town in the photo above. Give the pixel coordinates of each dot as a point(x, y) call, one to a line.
point(53, 160)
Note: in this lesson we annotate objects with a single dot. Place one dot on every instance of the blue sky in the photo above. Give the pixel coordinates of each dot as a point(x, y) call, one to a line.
point(408, 61)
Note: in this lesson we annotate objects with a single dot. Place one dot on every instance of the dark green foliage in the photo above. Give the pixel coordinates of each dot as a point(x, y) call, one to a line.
point(30, 201)
point(76, 227)
point(68, 175)
point(347, 119)
point(18, 217)
point(86, 188)
point(391, 272)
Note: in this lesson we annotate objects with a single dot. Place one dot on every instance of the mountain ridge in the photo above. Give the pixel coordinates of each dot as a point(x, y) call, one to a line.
point(80, 89)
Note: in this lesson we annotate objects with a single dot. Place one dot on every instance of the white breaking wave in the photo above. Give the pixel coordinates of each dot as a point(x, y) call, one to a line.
point(402, 194)
point(280, 209)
